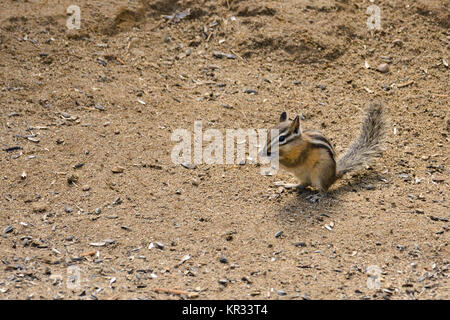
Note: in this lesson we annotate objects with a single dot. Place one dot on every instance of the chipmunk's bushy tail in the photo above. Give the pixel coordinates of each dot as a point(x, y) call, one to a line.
point(368, 146)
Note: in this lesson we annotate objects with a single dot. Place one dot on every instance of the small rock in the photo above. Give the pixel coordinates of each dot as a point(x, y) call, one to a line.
point(300, 244)
point(68, 209)
point(117, 201)
point(278, 234)
point(223, 260)
point(250, 91)
point(99, 107)
point(86, 188)
point(118, 169)
point(383, 68)
point(8, 229)
point(220, 55)
point(223, 282)
point(281, 293)
point(159, 245)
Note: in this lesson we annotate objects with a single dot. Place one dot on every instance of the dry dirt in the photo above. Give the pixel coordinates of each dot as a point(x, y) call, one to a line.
point(72, 102)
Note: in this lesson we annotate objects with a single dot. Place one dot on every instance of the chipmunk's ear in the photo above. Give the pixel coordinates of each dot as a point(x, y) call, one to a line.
point(283, 116)
point(295, 126)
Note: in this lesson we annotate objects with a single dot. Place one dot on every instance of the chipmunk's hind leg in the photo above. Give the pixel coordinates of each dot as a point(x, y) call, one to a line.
point(323, 175)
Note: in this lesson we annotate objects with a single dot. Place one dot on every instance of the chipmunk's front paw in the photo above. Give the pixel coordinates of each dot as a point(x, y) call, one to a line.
point(286, 185)
point(315, 197)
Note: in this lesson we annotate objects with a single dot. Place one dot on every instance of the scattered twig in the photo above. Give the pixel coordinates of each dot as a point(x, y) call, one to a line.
point(87, 254)
point(401, 85)
point(237, 55)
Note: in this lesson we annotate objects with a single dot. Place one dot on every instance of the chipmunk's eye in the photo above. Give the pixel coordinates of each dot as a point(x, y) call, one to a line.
point(282, 138)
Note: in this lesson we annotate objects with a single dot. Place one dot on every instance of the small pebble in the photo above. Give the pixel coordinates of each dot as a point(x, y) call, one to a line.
point(250, 91)
point(8, 229)
point(118, 169)
point(223, 282)
point(223, 260)
point(278, 234)
point(68, 209)
point(99, 107)
point(85, 188)
point(117, 201)
point(300, 244)
point(220, 55)
point(383, 68)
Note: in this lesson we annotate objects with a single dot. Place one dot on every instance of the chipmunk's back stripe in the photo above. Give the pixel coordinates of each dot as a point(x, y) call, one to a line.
point(320, 144)
point(322, 139)
point(317, 138)
point(319, 141)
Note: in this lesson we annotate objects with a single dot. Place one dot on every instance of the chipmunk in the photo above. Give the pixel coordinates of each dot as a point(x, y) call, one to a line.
point(311, 157)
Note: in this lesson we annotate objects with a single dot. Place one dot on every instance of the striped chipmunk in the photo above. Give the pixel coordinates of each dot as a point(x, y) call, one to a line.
point(311, 158)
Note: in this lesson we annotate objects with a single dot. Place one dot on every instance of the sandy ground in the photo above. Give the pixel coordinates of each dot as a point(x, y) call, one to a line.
point(76, 105)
